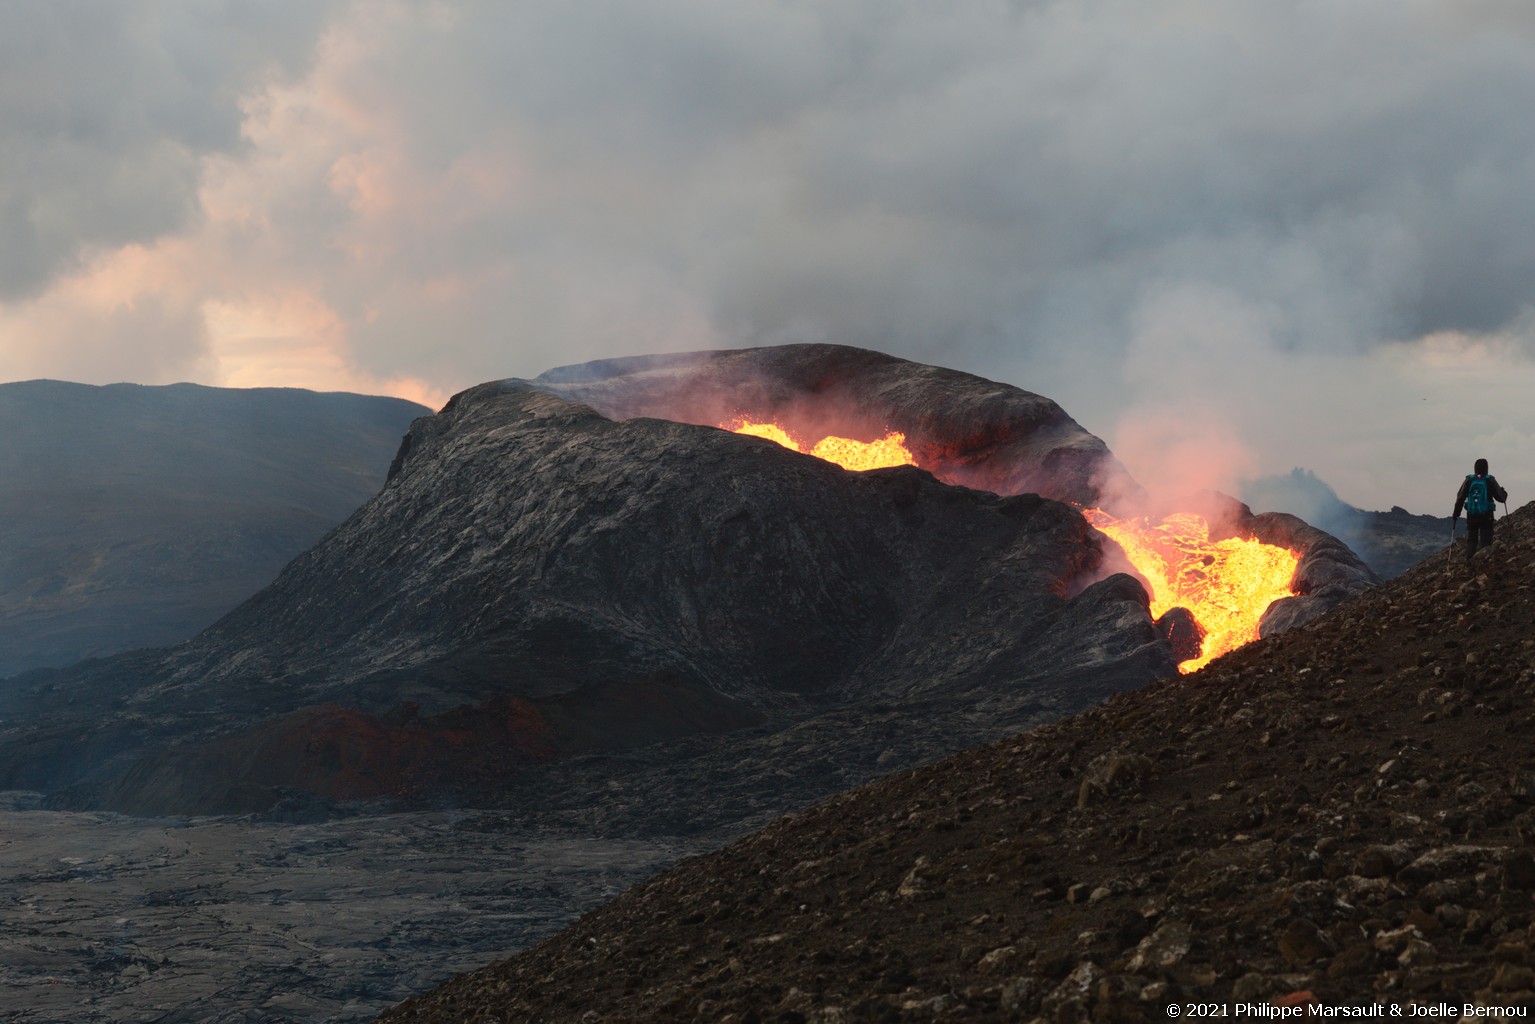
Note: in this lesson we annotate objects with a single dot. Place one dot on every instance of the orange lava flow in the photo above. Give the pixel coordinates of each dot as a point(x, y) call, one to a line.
point(1226, 584)
point(889, 450)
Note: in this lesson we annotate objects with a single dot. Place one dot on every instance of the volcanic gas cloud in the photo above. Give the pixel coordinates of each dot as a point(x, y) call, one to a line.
point(1225, 585)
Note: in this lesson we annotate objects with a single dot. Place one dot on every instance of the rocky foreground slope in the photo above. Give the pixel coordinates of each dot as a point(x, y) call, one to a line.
point(135, 516)
point(1341, 815)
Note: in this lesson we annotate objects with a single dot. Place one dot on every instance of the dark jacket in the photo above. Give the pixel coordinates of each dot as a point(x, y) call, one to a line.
point(1495, 492)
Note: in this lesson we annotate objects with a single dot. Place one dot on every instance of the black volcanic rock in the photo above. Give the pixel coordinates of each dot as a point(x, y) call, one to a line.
point(1183, 632)
point(526, 546)
point(1328, 573)
point(544, 546)
point(134, 516)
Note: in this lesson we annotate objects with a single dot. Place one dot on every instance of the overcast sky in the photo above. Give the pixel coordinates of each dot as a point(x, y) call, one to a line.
point(1229, 237)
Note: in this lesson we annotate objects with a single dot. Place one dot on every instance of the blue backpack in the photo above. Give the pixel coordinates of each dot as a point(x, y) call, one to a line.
point(1478, 501)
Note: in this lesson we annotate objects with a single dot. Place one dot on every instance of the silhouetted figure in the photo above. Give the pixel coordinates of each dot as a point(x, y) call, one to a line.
point(1478, 495)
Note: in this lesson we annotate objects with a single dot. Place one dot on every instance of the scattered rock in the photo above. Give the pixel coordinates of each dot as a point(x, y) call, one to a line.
point(1447, 861)
point(1023, 995)
point(1417, 953)
point(1000, 959)
point(1353, 961)
point(1112, 775)
point(915, 882)
point(1519, 870)
point(1163, 948)
point(1382, 860)
point(1302, 943)
point(1073, 998)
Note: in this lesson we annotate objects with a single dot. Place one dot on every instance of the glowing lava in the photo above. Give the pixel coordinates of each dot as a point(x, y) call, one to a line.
point(1226, 584)
point(889, 450)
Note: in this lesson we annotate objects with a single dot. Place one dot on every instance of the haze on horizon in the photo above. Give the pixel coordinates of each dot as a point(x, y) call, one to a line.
point(1230, 237)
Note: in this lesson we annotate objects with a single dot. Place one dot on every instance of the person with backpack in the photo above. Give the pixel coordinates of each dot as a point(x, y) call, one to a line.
point(1478, 495)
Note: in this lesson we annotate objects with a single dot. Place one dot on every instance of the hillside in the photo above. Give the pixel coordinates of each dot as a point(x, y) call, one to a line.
point(538, 584)
point(135, 516)
point(543, 602)
point(1342, 814)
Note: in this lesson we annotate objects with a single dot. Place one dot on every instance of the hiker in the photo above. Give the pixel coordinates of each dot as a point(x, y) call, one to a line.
point(1478, 495)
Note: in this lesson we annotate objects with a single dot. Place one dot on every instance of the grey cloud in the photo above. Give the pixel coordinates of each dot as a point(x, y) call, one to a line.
point(107, 108)
point(1043, 192)
point(1011, 176)
point(914, 175)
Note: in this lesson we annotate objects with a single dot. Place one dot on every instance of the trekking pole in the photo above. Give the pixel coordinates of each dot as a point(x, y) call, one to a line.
point(1449, 552)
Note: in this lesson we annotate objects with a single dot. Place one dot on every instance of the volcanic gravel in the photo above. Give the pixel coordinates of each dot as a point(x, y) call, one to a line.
point(106, 919)
point(1340, 816)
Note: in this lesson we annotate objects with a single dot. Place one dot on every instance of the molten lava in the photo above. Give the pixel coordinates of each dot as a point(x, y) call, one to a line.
point(889, 450)
point(1227, 584)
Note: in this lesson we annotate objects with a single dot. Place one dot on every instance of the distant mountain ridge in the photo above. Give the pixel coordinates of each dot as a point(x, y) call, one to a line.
point(1389, 542)
point(134, 515)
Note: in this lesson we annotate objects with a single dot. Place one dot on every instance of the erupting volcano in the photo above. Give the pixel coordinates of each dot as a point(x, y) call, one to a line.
point(1270, 571)
point(590, 546)
point(1225, 585)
